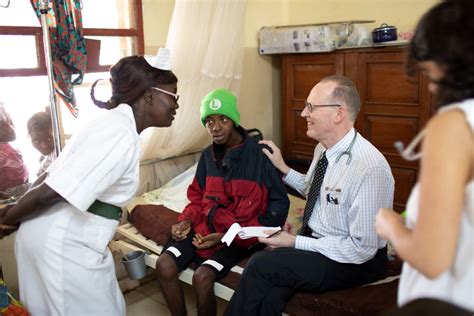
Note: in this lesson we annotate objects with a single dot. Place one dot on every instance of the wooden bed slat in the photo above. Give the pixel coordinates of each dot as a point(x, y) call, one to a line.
point(129, 231)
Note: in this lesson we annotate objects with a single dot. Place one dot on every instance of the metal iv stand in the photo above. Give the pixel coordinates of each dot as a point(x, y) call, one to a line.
point(44, 8)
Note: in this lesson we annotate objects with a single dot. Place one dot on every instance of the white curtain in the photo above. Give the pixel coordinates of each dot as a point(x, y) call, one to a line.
point(206, 42)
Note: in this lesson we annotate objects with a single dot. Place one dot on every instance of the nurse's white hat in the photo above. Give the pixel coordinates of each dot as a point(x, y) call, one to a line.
point(162, 60)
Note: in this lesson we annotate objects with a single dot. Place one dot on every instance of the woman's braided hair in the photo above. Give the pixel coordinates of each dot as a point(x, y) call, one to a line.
point(130, 77)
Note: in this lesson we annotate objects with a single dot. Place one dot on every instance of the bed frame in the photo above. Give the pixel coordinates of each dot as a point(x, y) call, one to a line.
point(153, 251)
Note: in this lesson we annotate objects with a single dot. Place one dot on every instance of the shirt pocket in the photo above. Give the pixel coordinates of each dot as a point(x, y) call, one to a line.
point(335, 203)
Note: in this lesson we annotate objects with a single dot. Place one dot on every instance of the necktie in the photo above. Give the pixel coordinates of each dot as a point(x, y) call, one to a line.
point(313, 194)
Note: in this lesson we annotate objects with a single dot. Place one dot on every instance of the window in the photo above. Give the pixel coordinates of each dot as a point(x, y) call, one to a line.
point(114, 25)
point(120, 31)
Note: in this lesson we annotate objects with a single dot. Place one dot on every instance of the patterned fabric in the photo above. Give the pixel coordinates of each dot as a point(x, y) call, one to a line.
point(343, 220)
point(314, 193)
point(9, 305)
point(12, 168)
point(295, 215)
point(68, 47)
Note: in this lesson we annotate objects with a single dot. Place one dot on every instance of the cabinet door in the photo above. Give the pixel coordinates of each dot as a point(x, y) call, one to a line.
point(300, 74)
point(394, 108)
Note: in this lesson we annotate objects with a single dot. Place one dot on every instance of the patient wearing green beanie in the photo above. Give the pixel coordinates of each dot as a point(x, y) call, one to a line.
point(220, 102)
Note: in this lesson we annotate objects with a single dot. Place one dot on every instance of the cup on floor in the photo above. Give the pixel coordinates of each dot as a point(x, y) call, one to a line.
point(134, 263)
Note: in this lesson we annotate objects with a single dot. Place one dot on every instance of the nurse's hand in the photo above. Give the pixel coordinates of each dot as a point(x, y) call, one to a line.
point(180, 231)
point(275, 156)
point(208, 241)
point(6, 230)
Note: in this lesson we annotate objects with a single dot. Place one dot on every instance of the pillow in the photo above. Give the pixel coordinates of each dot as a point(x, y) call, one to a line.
point(173, 194)
point(154, 222)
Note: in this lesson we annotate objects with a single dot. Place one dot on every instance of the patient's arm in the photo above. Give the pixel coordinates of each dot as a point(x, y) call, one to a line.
point(277, 199)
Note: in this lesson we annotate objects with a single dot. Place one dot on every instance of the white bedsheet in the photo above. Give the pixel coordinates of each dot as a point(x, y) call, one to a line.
point(172, 195)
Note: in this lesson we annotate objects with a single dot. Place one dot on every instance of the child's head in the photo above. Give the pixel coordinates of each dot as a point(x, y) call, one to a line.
point(7, 129)
point(40, 130)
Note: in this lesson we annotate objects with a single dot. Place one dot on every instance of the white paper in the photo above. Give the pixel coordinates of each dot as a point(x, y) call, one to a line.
point(246, 232)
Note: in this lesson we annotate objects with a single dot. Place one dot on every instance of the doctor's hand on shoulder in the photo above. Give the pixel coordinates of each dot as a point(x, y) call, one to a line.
point(275, 156)
point(180, 231)
point(282, 239)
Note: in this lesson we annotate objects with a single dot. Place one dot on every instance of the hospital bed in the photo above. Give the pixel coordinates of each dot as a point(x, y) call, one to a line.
point(152, 212)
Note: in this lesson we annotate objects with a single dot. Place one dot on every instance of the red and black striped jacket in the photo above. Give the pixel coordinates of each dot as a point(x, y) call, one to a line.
point(242, 186)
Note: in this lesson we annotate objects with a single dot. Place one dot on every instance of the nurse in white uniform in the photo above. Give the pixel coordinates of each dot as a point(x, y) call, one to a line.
point(437, 240)
point(67, 221)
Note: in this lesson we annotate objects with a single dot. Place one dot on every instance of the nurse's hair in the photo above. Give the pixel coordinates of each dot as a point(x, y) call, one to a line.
point(445, 35)
point(346, 93)
point(40, 121)
point(130, 78)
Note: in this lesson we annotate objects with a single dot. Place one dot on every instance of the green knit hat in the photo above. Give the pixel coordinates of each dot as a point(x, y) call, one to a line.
point(222, 102)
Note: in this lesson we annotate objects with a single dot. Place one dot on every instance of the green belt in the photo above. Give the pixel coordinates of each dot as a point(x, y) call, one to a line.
point(105, 210)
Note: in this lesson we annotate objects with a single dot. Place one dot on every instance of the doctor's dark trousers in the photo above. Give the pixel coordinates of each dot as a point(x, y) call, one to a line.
point(271, 277)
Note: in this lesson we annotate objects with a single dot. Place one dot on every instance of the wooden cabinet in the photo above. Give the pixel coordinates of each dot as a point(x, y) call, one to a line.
point(393, 107)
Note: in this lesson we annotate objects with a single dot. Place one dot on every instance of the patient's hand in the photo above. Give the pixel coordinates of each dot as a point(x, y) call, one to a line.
point(180, 231)
point(208, 241)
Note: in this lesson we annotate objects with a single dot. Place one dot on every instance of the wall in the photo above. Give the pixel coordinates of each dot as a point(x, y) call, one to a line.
point(156, 20)
point(260, 95)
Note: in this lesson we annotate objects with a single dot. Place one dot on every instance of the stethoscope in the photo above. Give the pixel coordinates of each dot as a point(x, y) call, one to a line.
point(348, 151)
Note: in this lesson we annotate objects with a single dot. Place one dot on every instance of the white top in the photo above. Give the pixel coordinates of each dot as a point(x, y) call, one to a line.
point(457, 284)
point(94, 166)
point(343, 219)
point(64, 264)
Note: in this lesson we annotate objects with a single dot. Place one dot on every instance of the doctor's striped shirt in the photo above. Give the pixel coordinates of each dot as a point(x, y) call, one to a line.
point(353, 190)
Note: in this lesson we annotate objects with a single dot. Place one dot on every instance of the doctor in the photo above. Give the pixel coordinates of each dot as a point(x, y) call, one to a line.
point(67, 221)
point(348, 181)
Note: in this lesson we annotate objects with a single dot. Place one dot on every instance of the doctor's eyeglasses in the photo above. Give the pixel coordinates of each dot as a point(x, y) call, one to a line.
point(311, 107)
point(174, 95)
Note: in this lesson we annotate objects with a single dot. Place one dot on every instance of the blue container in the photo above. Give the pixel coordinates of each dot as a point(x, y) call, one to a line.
point(384, 33)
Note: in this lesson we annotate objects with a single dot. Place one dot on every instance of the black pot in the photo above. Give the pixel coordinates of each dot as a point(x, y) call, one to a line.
point(384, 33)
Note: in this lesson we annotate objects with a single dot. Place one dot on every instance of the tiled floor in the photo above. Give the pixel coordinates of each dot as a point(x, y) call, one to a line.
point(148, 300)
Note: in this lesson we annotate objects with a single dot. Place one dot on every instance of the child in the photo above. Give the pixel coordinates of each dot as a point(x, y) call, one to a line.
point(40, 130)
point(13, 171)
